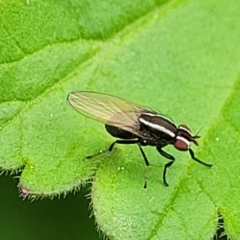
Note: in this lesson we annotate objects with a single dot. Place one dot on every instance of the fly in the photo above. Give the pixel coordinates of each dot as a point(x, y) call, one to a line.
point(135, 124)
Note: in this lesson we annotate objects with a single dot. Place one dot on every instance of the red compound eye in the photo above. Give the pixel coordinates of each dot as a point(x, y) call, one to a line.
point(181, 144)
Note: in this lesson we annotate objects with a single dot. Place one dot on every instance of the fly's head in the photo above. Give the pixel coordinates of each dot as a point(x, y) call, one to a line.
point(184, 138)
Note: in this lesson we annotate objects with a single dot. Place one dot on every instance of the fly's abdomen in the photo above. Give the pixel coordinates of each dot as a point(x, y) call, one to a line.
point(119, 133)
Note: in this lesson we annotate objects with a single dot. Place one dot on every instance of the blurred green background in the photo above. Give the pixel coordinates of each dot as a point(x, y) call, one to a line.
point(64, 218)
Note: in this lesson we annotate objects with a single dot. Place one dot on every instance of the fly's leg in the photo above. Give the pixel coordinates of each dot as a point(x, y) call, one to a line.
point(111, 147)
point(126, 142)
point(197, 160)
point(140, 148)
point(122, 142)
point(131, 142)
point(167, 165)
point(96, 154)
point(146, 162)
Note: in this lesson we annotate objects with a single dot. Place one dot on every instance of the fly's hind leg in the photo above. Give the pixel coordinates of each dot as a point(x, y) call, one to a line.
point(112, 146)
point(126, 142)
point(97, 154)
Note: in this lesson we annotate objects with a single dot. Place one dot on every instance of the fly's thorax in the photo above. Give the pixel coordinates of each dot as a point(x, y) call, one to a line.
point(184, 138)
point(158, 125)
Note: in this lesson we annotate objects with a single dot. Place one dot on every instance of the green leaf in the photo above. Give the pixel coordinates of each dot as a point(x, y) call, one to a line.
point(180, 58)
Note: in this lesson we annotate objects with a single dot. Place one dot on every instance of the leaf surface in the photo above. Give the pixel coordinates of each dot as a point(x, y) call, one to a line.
point(181, 58)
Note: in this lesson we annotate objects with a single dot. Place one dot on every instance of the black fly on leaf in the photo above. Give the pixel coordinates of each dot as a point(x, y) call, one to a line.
point(134, 124)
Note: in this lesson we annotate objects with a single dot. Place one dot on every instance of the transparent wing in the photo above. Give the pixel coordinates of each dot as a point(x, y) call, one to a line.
point(108, 109)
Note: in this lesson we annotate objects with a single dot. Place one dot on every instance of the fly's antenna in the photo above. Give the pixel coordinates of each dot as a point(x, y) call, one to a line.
point(199, 130)
point(201, 127)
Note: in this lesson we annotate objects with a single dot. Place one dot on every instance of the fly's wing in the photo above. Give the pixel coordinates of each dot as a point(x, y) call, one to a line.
point(108, 109)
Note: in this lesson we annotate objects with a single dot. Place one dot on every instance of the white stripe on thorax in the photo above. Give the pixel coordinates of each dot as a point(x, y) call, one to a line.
point(185, 129)
point(157, 127)
point(158, 115)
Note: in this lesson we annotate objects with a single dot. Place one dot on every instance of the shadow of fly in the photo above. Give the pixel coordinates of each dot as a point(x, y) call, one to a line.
point(135, 124)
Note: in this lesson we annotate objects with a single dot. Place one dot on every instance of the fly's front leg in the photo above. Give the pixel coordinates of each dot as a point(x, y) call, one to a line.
point(167, 165)
point(197, 160)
